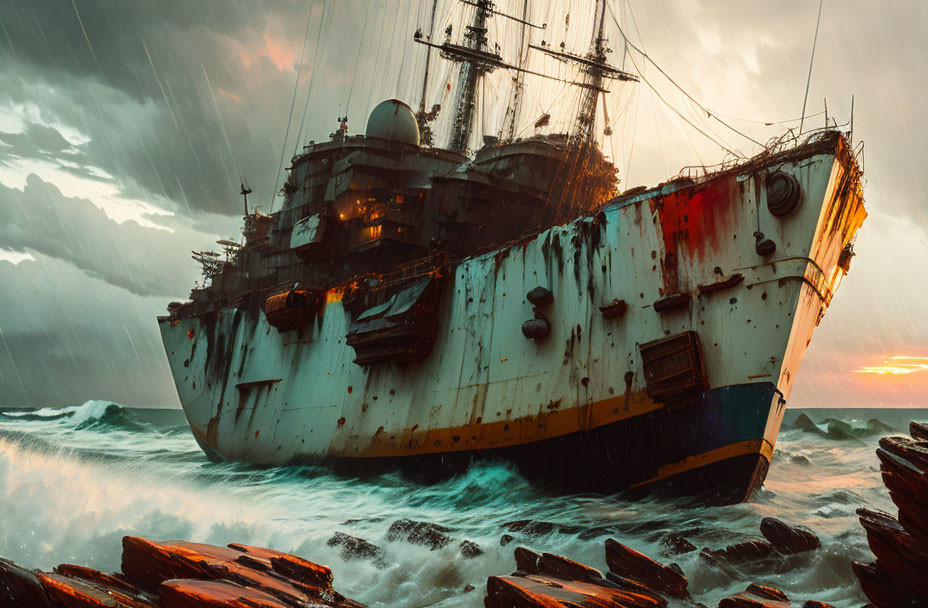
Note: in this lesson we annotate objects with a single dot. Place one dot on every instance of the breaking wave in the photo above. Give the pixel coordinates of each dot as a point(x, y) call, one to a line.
point(74, 481)
point(98, 415)
point(90, 413)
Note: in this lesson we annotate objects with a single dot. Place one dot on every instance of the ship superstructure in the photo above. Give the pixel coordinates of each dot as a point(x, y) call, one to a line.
point(423, 306)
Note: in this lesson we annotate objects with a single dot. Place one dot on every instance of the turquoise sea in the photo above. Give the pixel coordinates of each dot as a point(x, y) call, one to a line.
point(74, 480)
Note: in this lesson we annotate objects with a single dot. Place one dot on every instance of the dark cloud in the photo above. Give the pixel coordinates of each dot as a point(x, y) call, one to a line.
point(36, 141)
point(186, 98)
point(66, 338)
point(141, 260)
point(173, 102)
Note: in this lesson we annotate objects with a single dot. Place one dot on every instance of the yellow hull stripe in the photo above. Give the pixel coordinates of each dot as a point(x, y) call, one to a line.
point(482, 435)
point(752, 446)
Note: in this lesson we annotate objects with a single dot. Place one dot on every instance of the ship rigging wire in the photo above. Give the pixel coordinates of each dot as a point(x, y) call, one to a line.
point(296, 86)
point(312, 81)
point(632, 45)
point(678, 113)
point(625, 57)
point(357, 61)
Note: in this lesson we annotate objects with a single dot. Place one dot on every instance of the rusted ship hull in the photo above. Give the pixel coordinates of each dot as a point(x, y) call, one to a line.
point(715, 451)
point(669, 343)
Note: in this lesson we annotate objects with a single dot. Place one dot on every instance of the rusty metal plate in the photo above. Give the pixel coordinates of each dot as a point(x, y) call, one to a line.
point(673, 367)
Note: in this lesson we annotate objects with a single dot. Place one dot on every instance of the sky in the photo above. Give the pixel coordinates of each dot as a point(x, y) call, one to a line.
point(126, 127)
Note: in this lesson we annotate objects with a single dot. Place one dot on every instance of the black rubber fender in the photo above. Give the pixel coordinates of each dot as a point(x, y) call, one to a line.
point(783, 194)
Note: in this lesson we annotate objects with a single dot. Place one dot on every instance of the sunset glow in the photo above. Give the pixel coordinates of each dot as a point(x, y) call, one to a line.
point(897, 365)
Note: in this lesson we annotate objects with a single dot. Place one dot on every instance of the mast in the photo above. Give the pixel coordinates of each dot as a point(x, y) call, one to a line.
point(472, 71)
point(596, 72)
point(508, 132)
point(586, 117)
point(428, 60)
point(476, 61)
point(245, 192)
point(423, 117)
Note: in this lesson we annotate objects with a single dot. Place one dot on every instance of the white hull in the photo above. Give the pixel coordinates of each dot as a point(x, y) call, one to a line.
point(253, 394)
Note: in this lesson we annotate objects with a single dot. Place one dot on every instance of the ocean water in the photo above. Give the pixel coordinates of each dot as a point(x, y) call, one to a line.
point(73, 481)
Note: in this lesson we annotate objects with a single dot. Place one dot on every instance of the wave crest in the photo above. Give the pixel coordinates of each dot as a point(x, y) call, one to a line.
point(91, 414)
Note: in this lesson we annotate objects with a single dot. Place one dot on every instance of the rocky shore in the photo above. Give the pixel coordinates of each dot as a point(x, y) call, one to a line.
point(178, 574)
point(899, 576)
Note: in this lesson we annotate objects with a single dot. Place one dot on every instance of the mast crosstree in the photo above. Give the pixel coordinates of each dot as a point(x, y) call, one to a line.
point(597, 70)
point(477, 60)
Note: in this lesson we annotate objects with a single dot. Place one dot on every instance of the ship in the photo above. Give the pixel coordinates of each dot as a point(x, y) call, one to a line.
point(421, 307)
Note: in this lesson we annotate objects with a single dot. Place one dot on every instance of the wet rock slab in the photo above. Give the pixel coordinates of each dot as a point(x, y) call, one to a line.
point(178, 575)
point(899, 576)
point(419, 533)
point(549, 581)
point(354, 548)
point(788, 539)
point(634, 580)
point(628, 563)
point(782, 540)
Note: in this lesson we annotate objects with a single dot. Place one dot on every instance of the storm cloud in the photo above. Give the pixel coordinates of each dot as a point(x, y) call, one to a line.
point(144, 261)
point(126, 128)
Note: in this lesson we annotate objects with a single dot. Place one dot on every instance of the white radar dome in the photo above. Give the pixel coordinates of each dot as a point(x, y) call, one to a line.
point(393, 120)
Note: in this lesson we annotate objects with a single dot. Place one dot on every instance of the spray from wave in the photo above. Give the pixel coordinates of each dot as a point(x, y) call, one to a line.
point(73, 481)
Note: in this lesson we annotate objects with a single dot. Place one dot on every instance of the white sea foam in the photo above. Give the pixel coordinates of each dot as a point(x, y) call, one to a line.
point(70, 490)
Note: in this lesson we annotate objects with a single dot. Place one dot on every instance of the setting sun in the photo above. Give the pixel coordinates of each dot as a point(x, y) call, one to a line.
point(897, 365)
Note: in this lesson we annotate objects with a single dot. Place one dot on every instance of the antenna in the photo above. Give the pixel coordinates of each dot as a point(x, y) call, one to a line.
point(245, 192)
point(852, 119)
point(811, 61)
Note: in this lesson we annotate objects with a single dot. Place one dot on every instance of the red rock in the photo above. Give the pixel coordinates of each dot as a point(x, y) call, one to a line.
point(770, 593)
point(20, 587)
point(757, 596)
point(535, 591)
point(748, 600)
point(629, 563)
point(880, 587)
point(786, 538)
point(68, 592)
point(628, 584)
point(95, 576)
point(739, 553)
point(147, 564)
point(290, 566)
point(918, 431)
point(906, 482)
point(899, 577)
point(286, 577)
point(214, 594)
point(186, 575)
point(916, 452)
point(897, 551)
point(567, 569)
point(527, 560)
